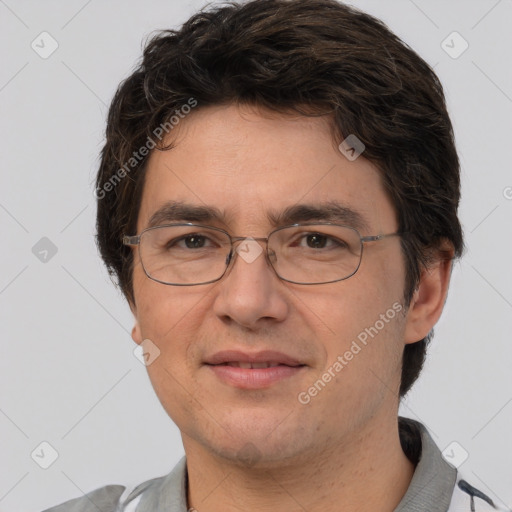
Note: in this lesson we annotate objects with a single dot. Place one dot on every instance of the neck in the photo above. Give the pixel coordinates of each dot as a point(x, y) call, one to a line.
point(367, 472)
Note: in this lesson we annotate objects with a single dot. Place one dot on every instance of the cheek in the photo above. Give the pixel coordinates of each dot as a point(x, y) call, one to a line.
point(360, 322)
point(344, 310)
point(173, 318)
point(161, 308)
point(169, 318)
point(363, 364)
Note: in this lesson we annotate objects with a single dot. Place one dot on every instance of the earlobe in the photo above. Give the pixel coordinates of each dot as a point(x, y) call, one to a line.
point(428, 300)
point(136, 334)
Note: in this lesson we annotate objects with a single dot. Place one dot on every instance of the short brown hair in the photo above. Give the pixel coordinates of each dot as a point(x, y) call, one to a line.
point(314, 57)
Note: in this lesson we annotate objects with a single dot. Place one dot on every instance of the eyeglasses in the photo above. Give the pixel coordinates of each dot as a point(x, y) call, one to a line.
point(191, 254)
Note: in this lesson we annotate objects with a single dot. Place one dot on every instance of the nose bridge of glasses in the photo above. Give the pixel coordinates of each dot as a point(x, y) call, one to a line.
point(249, 252)
point(236, 239)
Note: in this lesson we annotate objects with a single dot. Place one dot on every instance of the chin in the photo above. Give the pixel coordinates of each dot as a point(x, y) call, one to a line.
point(261, 440)
point(257, 454)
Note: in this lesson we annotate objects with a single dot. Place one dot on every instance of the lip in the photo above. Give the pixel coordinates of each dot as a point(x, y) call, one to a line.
point(234, 356)
point(253, 378)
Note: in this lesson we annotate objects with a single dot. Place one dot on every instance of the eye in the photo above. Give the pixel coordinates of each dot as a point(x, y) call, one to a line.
point(321, 241)
point(195, 241)
point(192, 241)
point(316, 240)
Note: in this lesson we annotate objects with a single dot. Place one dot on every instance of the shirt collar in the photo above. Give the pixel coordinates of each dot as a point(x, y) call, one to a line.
point(432, 484)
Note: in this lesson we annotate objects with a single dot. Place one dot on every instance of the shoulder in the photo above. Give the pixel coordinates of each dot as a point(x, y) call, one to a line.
point(435, 480)
point(467, 498)
point(105, 499)
point(155, 494)
point(110, 498)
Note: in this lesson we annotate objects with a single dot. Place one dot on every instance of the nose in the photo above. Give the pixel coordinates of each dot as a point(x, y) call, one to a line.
point(250, 293)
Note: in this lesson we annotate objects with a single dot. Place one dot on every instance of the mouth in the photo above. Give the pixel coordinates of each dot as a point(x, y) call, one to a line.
point(247, 366)
point(253, 371)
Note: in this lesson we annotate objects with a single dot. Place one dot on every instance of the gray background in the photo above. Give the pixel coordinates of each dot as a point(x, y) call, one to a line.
point(68, 373)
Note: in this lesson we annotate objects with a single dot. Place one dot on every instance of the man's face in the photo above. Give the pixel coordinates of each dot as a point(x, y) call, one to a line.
point(247, 164)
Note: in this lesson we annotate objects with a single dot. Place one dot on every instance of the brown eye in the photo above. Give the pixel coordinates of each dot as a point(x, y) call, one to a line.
point(195, 241)
point(316, 241)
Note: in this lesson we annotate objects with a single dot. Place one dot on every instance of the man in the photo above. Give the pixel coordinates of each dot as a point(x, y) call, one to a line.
point(277, 198)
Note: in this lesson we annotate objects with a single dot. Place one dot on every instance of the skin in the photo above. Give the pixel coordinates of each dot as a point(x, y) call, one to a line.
point(341, 451)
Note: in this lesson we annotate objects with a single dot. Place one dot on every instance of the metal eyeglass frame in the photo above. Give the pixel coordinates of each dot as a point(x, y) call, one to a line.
point(134, 240)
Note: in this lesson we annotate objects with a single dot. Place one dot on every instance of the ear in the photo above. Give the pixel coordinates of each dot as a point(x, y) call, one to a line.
point(136, 331)
point(430, 295)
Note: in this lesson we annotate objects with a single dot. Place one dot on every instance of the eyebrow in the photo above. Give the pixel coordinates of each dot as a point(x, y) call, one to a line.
point(332, 211)
point(177, 211)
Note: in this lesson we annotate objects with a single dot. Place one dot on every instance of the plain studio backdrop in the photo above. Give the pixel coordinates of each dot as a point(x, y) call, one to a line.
point(69, 377)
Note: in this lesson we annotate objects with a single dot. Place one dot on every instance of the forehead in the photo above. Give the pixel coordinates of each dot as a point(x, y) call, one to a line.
point(251, 166)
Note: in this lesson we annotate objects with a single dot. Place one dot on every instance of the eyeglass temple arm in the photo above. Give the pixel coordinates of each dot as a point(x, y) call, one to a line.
point(376, 238)
point(131, 240)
